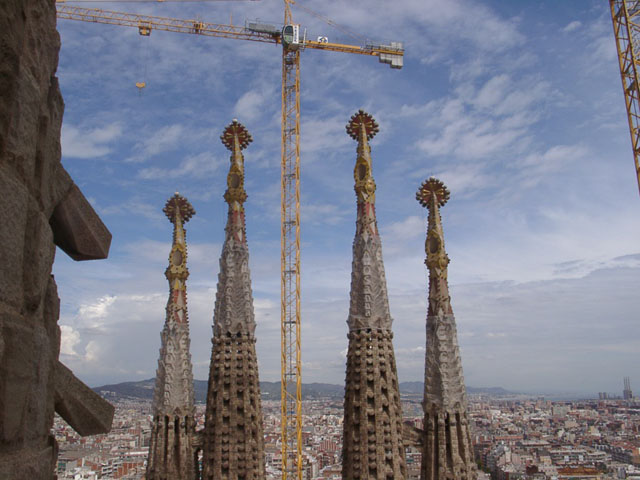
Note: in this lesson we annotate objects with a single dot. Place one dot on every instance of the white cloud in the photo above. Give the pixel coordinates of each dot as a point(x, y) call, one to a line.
point(202, 165)
point(93, 352)
point(89, 143)
point(493, 92)
point(251, 105)
point(326, 213)
point(133, 206)
point(495, 119)
point(98, 310)
point(321, 132)
point(572, 26)
point(69, 338)
point(603, 49)
point(164, 139)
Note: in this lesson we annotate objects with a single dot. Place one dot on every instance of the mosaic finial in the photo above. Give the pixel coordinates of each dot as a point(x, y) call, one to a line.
point(179, 204)
point(236, 129)
point(432, 187)
point(359, 121)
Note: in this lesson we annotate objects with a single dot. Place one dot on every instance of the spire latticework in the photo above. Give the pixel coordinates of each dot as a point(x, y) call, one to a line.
point(233, 438)
point(447, 452)
point(171, 450)
point(372, 443)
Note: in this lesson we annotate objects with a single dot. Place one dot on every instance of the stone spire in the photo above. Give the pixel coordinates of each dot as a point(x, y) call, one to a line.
point(233, 436)
point(171, 451)
point(447, 452)
point(372, 443)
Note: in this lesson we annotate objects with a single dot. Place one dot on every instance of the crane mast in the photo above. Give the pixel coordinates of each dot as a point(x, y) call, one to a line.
point(625, 15)
point(292, 44)
point(290, 316)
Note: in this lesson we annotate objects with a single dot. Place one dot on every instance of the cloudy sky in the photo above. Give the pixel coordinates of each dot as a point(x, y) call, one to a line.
point(517, 106)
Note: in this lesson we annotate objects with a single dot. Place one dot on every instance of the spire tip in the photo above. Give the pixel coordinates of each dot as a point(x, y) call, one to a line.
point(357, 120)
point(232, 130)
point(430, 188)
point(178, 203)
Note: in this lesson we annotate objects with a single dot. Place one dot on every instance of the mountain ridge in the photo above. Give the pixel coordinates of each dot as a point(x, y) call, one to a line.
point(143, 389)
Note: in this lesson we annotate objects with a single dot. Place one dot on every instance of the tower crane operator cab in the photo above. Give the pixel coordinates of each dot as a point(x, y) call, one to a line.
point(291, 36)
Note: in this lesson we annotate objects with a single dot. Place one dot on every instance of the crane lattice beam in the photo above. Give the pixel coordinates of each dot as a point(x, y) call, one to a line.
point(626, 27)
point(272, 34)
point(146, 23)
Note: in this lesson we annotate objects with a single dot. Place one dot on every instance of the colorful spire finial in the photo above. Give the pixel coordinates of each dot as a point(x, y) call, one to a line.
point(433, 194)
point(178, 204)
point(363, 127)
point(432, 188)
point(362, 121)
point(236, 130)
point(236, 138)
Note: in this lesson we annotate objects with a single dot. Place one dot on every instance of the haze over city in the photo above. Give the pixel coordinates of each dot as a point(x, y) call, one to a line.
point(516, 106)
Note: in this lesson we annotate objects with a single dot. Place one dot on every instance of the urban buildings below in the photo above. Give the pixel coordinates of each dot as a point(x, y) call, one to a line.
point(627, 394)
point(514, 438)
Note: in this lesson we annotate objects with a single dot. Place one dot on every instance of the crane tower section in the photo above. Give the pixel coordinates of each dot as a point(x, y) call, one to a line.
point(290, 314)
point(291, 395)
point(626, 27)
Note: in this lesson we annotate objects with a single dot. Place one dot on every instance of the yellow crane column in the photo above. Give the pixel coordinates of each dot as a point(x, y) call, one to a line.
point(291, 381)
point(625, 15)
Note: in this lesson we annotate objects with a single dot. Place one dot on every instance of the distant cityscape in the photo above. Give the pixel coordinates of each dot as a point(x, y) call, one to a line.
point(515, 436)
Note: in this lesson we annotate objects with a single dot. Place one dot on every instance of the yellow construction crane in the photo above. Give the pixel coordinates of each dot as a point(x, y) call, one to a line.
point(626, 27)
point(293, 40)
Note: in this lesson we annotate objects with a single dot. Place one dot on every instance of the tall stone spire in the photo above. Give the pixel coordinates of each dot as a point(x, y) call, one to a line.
point(171, 452)
point(447, 452)
point(372, 443)
point(233, 437)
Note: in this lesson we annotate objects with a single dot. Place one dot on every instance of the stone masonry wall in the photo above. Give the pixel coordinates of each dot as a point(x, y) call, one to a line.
point(39, 207)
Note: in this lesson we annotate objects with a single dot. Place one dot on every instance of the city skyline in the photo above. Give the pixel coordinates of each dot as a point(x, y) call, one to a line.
point(518, 108)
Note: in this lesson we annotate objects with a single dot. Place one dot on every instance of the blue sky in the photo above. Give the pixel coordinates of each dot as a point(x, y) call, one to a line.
point(516, 106)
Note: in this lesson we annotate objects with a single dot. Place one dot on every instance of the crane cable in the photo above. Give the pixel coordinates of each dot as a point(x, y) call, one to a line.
point(144, 54)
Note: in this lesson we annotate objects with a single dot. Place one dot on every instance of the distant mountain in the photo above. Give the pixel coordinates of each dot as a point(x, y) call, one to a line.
point(492, 391)
point(411, 387)
point(418, 387)
point(143, 389)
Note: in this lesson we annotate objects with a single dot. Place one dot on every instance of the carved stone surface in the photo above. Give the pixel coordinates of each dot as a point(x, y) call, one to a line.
point(171, 451)
point(33, 184)
point(78, 230)
point(82, 408)
point(447, 452)
point(233, 437)
point(233, 443)
point(373, 431)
